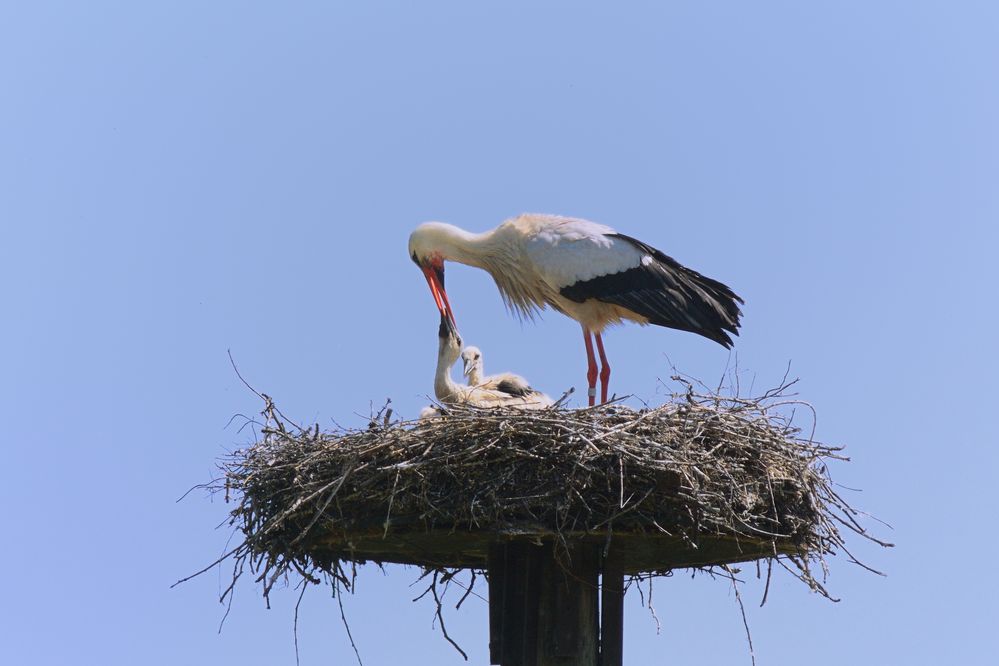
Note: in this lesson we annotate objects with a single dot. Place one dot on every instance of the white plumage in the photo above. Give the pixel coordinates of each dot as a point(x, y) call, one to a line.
point(584, 270)
point(568, 250)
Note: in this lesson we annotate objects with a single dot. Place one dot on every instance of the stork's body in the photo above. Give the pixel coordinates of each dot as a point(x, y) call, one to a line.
point(584, 270)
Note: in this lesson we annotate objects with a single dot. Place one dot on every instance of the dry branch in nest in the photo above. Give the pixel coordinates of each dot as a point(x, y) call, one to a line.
point(701, 481)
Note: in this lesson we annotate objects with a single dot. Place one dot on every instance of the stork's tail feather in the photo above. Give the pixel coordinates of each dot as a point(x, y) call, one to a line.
point(667, 294)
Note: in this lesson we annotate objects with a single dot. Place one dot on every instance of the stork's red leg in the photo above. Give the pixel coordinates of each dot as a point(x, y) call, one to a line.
point(604, 368)
point(591, 366)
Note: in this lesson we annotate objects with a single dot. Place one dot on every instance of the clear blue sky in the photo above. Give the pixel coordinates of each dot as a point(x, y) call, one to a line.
point(178, 179)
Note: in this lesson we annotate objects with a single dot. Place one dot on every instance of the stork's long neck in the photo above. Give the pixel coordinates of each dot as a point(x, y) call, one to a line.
point(444, 386)
point(500, 253)
point(475, 376)
point(466, 247)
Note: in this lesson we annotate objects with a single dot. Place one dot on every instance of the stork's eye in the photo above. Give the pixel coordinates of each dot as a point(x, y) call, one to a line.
point(476, 357)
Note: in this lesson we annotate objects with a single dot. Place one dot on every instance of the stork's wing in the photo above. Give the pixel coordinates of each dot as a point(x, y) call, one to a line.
point(564, 251)
point(514, 388)
point(509, 384)
point(666, 293)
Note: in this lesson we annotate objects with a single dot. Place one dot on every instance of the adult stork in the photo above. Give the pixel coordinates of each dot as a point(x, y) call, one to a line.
point(584, 270)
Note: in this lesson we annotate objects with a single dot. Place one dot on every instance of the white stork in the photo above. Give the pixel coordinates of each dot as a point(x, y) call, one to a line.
point(474, 370)
point(450, 393)
point(584, 270)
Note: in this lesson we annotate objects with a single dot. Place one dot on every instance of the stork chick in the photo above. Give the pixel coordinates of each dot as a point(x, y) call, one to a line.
point(451, 393)
point(508, 382)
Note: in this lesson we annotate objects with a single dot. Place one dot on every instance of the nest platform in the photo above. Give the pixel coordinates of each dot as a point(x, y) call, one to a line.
point(698, 482)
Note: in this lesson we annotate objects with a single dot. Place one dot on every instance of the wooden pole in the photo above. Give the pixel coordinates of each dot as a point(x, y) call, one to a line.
point(612, 614)
point(543, 610)
point(496, 573)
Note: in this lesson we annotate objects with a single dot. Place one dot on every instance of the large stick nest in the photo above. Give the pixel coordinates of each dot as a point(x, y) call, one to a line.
point(703, 480)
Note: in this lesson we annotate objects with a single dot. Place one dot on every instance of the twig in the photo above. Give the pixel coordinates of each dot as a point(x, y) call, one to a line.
point(440, 617)
point(305, 585)
point(652, 609)
point(343, 617)
point(742, 610)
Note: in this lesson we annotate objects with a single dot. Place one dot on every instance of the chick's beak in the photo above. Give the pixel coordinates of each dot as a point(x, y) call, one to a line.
point(447, 329)
point(469, 364)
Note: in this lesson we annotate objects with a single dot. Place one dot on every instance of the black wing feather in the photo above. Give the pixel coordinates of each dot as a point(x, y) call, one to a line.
point(666, 293)
point(514, 388)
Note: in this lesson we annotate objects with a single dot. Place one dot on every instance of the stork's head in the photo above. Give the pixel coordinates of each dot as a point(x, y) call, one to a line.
point(429, 246)
point(450, 341)
point(472, 359)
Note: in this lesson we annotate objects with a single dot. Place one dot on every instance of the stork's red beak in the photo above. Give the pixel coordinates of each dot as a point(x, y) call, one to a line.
point(435, 278)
